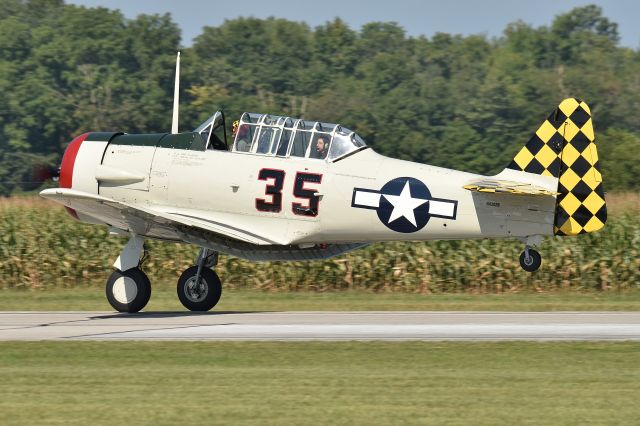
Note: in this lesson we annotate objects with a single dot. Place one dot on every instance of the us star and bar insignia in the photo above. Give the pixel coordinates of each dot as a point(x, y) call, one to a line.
point(404, 204)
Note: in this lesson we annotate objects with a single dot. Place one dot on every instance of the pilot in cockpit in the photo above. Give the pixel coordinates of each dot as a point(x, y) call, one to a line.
point(243, 137)
point(321, 148)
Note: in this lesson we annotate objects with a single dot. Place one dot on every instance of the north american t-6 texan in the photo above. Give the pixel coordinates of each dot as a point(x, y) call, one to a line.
point(281, 188)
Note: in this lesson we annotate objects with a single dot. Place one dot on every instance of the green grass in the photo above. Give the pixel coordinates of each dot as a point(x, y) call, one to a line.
point(164, 299)
point(148, 383)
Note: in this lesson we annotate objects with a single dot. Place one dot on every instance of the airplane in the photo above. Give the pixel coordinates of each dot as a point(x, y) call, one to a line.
point(283, 188)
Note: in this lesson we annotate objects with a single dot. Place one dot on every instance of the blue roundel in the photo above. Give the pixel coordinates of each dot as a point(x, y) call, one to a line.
point(404, 205)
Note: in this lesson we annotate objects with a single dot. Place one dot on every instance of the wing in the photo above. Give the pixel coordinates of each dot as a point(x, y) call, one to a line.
point(511, 187)
point(150, 220)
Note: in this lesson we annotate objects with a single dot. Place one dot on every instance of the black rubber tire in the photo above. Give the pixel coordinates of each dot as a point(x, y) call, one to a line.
point(535, 260)
point(208, 278)
point(142, 287)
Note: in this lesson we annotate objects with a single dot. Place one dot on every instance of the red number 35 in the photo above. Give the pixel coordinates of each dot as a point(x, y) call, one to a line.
point(275, 183)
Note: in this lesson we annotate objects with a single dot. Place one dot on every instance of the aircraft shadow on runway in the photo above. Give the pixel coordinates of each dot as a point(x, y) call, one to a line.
point(173, 314)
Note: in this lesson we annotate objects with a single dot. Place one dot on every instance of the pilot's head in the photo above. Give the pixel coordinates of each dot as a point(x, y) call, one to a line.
point(321, 144)
point(243, 130)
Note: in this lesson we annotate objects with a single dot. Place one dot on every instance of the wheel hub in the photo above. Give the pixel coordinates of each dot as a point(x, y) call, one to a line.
point(196, 292)
point(125, 290)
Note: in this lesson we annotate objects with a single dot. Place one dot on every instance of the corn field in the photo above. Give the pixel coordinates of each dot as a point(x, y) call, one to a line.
point(40, 247)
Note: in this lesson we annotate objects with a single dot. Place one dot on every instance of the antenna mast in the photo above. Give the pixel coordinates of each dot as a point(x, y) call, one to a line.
point(176, 98)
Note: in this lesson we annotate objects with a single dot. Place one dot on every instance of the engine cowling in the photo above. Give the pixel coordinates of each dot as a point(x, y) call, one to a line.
point(79, 162)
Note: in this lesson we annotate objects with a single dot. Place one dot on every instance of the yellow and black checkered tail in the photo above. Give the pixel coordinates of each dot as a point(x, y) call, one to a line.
point(563, 147)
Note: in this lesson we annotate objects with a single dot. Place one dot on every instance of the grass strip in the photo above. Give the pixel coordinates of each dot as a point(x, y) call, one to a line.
point(164, 299)
point(157, 383)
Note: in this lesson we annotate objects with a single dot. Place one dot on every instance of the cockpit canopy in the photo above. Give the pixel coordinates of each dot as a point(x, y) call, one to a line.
point(287, 137)
point(271, 135)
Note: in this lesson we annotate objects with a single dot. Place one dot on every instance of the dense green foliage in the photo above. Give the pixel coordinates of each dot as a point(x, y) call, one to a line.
point(465, 102)
point(41, 247)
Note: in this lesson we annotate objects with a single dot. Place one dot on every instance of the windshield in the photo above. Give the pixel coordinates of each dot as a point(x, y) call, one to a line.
point(344, 142)
point(213, 132)
point(205, 124)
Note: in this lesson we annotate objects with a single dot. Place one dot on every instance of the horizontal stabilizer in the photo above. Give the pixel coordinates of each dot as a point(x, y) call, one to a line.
point(510, 187)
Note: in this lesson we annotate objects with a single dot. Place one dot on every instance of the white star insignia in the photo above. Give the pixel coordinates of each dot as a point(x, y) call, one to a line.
point(404, 205)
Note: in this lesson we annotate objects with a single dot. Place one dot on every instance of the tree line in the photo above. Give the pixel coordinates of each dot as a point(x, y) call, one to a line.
point(465, 102)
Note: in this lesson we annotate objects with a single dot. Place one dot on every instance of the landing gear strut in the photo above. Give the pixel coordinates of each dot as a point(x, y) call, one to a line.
point(128, 288)
point(530, 259)
point(199, 288)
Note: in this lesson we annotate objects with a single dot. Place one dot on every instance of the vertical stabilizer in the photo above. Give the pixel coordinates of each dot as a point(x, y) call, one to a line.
point(564, 147)
point(580, 207)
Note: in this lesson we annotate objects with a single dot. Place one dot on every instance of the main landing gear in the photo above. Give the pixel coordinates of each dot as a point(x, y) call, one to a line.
point(129, 289)
point(530, 259)
point(199, 288)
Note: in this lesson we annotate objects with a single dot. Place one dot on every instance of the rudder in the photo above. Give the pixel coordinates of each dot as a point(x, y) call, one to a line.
point(564, 147)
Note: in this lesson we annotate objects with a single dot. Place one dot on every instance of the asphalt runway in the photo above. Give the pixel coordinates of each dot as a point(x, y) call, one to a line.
point(327, 326)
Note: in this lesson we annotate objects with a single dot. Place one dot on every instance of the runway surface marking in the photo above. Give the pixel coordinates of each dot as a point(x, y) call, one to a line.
point(329, 326)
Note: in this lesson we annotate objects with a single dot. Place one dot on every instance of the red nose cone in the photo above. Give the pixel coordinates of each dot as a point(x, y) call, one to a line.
point(69, 160)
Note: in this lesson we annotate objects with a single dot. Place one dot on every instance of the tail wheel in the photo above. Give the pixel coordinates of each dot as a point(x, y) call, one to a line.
point(201, 295)
point(531, 262)
point(128, 291)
